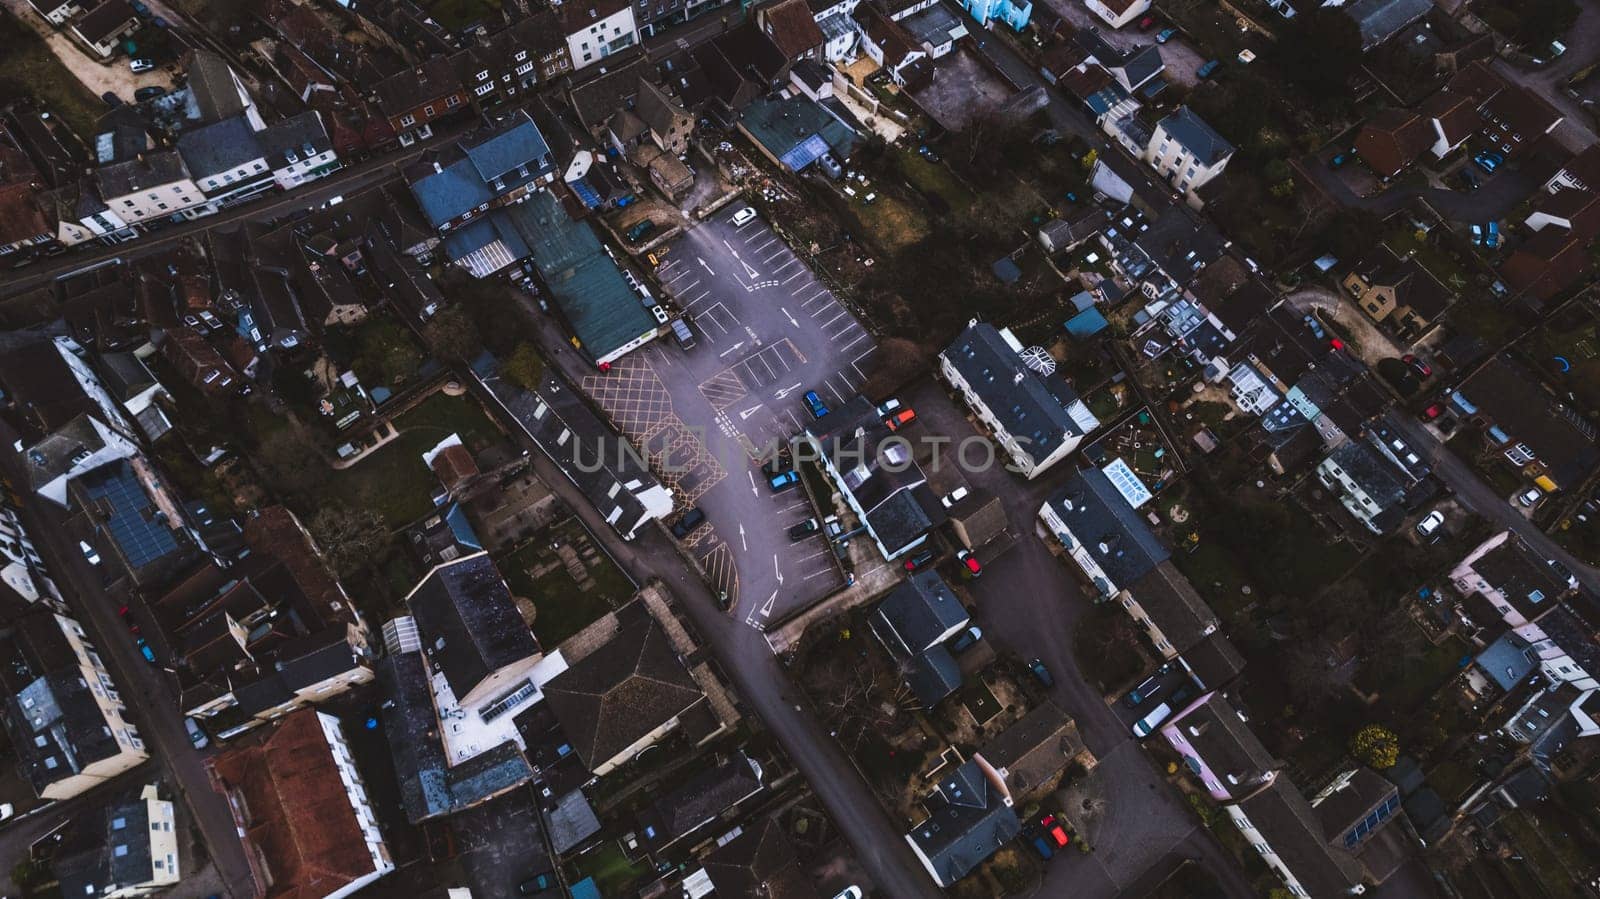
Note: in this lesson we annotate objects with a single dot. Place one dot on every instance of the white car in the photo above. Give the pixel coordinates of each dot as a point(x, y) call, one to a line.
point(955, 496)
point(196, 735)
point(850, 892)
point(1431, 523)
point(1529, 497)
point(88, 552)
point(888, 407)
point(7, 810)
point(140, 65)
point(744, 217)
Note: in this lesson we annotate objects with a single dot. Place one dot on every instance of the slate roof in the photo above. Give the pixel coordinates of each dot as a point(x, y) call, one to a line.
point(1507, 661)
point(932, 675)
point(1173, 605)
point(1213, 661)
point(621, 691)
point(1563, 440)
point(1202, 141)
point(1371, 471)
point(469, 625)
point(103, 849)
point(702, 798)
point(429, 785)
point(404, 91)
point(1379, 20)
point(1225, 744)
point(1036, 748)
point(1141, 65)
point(1112, 531)
point(571, 822)
point(1287, 822)
point(968, 820)
point(760, 861)
point(212, 86)
point(154, 170)
point(302, 134)
point(917, 613)
point(1032, 407)
point(219, 147)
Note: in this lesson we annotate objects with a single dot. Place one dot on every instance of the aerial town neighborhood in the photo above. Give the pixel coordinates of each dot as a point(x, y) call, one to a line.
point(474, 449)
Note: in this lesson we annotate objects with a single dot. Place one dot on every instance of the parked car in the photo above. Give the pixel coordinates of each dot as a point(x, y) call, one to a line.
point(1041, 673)
point(1427, 526)
point(640, 230)
point(920, 560)
point(1145, 689)
point(901, 419)
point(1147, 23)
point(210, 320)
point(1166, 34)
point(954, 496)
point(1530, 497)
point(1477, 234)
point(1418, 365)
point(1147, 725)
point(196, 735)
point(1039, 843)
point(815, 404)
point(537, 884)
point(141, 64)
point(782, 482)
point(112, 100)
point(148, 93)
point(1468, 180)
point(967, 639)
point(7, 810)
point(1488, 160)
point(1492, 239)
point(1051, 825)
point(850, 892)
point(145, 650)
point(1208, 69)
point(1433, 411)
point(140, 9)
point(89, 553)
point(681, 332)
point(690, 521)
point(1247, 57)
point(970, 562)
point(744, 217)
point(888, 407)
point(1338, 160)
point(804, 529)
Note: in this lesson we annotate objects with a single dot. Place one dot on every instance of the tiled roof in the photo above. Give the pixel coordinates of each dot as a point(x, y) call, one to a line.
point(1188, 129)
point(469, 625)
point(219, 147)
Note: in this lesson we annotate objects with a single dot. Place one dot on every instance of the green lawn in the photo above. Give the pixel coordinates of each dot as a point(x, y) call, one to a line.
point(1443, 264)
point(393, 480)
point(29, 69)
point(564, 609)
point(1543, 861)
point(1405, 687)
point(610, 868)
point(934, 180)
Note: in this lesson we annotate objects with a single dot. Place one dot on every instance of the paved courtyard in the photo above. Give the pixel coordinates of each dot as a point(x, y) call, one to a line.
point(766, 332)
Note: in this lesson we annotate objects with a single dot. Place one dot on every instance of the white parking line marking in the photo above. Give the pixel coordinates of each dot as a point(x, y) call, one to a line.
point(835, 335)
point(796, 421)
point(859, 337)
point(821, 292)
point(792, 261)
point(758, 235)
point(701, 296)
point(842, 314)
point(820, 552)
point(792, 277)
point(680, 291)
point(835, 391)
point(818, 573)
point(802, 286)
point(790, 508)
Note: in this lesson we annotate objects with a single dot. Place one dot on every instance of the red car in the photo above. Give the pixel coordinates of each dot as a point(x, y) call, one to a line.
point(1422, 368)
point(970, 562)
point(1053, 829)
point(901, 419)
point(1336, 343)
point(1147, 23)
point(1432, 412)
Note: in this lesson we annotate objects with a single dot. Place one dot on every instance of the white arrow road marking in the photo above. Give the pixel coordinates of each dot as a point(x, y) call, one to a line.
point(745, 415)
point(706, 265)
point(752, 488)
point(741, 536)
point(789, 317)
point(784, 393)
point(725, 352)
point(776, 572)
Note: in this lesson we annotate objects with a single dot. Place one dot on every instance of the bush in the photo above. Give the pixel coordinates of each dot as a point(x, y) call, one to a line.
point(1376, 747)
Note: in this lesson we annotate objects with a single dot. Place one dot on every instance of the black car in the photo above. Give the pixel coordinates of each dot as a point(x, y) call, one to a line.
point(1041, 673)
point(1469, 180)
point(804, 529)
point(774, 466)
point(691, 519)
point(148, 93)
point(112, 100)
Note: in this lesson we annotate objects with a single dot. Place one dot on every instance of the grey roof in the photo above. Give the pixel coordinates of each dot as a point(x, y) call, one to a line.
point(1213, 661)
point(899, 520)
point(429, 785)
point(699, 800)
point(1351, 814)
point(212, 88)
point(1380, 20)
point(1031, 406)
point(1284, 819)
point(105, 848)
point(968, 820)
point(1200, 138)
point(571, 822)
point(1112, 531)
point(915, 614)
point(219, 147)
point(1574, 636)
point(1225, 745)
point(933, 675)
point(1173, 605)
point(1141, 65)
point(303, 135)
point(469, 625)
point(54, 723)
point(154, 170)
point(1507, 660)
point(124, 512)
point(1377, 477)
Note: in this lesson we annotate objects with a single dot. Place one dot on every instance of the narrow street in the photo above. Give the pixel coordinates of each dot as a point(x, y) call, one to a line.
point(152, 707)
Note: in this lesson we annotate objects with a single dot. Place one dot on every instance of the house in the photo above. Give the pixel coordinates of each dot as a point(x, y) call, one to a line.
point(1118, 13)
point(795, 131)
point(1393, 139)
point(1402, 292)
point(198, 362)
point(936, 29)
point(227, 162)
point(302, 810)
point(841, 36)
point(57, 12)
point(669, 123)
point(150, 188)
point(1284, 830)
point(215, 90)
point(125, 847)
point(1581, 172)
point(131, 383)
point(1519, 584)
point(103, 25)
point(970, 816)
point(1187, 152)
point(493, 166)
point(24, 222)
point(629, 692)
point(136, 522)
point(298, 149)
point(475, 642)
point(1532, 428)
point(595, 29)
point(1031, 753)
point(270, 633)
point(887, 43)
point(1379, 20)
point(1012, 12)
point(1218, 748)
point(24, 581)
point(757, 860)
point(1565, 223)
point(1033, 414)
point(792, 28)
point(877, 477)
point(63, 713)
point(1369, 482)
point(412, 100)
point(597, 459)
point(706, 797)
point(913, 622)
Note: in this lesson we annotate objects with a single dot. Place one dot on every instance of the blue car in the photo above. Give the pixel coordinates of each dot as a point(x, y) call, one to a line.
point(782, 482)
point(1493, 238)
point(1166, 34)
point(1488, 160)
point(1209, 69)
point(815, 404)
point(144, 650)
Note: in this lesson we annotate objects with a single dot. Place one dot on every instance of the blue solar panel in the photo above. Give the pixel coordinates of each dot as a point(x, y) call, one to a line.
point(805, 153)
point(140, 531)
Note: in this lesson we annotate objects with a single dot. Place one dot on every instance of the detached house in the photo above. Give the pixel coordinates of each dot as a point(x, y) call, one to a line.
point(1399, 291)
point(913, 622)
point(596, 29)
point(970, 816)
point(1187, 152)
point(1035, 416)
point(1118, 13)
point(103, 25)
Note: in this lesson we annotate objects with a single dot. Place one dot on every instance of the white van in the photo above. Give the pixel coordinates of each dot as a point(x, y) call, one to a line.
point(1148, 724)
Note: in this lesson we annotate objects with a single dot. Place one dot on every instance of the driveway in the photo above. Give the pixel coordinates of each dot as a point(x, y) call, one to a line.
point(1179, 54)
point(1029, 603)
point(99, 77)
point(1371, 342)
point(1583, 48)
point(1499, 195)
point(767, 332)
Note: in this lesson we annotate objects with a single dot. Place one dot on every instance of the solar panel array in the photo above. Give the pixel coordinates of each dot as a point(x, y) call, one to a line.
point(140, 531)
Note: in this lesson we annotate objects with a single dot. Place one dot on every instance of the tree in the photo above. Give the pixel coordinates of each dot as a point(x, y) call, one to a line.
point(350, 539)
point(1319, 51)
point(290, 461)
point(1376, 747)
point(451, 335)
point(293, 387)
point(524, 367)
point(385, 354)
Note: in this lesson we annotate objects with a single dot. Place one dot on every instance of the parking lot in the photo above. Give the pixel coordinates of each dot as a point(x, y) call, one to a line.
point(766, 332)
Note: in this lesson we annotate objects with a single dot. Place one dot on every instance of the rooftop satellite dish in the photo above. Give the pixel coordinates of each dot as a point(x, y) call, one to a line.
point(1039, 359)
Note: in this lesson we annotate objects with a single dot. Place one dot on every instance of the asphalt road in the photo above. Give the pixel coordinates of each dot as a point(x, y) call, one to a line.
point(149, 697)
point(1029, 603)
point(764, 688)
point(1583, 47)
